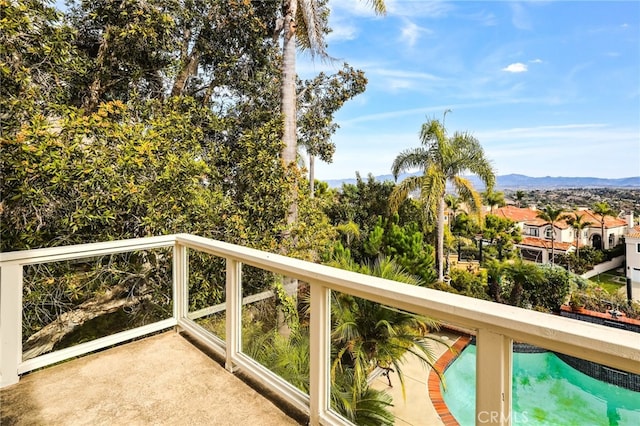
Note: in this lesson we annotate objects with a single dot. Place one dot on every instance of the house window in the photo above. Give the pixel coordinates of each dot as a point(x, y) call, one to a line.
point(533, 232)
point(548, 232)
point(612, 239)
point(638, 248)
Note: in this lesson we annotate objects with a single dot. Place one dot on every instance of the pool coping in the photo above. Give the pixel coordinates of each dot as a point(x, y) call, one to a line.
point(435, 393)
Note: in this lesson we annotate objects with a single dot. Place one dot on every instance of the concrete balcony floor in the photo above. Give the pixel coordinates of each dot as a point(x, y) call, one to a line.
point(160, 380)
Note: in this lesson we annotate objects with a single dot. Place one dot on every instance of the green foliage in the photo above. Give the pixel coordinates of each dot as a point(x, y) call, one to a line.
point(501, 233)
point(109, 175)
point(442, 159)
point(318, 101)
point(405, 246)
point(36, 57)
point(524, 284)
point(469, 284)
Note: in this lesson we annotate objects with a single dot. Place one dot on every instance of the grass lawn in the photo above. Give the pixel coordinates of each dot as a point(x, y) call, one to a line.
point(610, 281)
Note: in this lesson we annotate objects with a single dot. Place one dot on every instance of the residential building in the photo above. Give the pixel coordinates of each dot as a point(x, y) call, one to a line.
point(632, 240)
point(536, 232)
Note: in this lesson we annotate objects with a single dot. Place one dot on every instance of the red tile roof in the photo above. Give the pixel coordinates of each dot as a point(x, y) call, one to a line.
point(609, 221)
point(634, 233)
point(545, 244)
point(517, 214)
point(530, 217)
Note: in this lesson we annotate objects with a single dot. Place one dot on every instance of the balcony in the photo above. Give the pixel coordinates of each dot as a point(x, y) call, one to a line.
point(496, 327)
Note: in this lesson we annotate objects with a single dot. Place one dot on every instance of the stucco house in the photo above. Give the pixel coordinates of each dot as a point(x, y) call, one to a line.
point(632, 240)
point(536, 232)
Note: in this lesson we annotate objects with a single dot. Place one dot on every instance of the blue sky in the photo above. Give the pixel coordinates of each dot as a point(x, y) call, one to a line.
point(549, 88)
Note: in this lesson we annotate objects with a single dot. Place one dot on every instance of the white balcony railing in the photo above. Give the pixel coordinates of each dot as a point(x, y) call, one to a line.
point(497, 326)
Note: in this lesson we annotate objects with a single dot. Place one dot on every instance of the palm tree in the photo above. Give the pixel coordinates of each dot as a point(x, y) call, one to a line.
point(551, 215)
point(577, 223)
point(443, 160)
point(303, 24)
point(453, 204)
point(519, 197)
point(603, 209)
point(367, 334)
point(493, 199)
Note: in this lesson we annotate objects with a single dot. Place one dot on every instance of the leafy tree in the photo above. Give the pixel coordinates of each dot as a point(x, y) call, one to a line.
point(404, 245)
point(362, 203)
point(443, 160)
point(557, 282)
point(523, 277)
point(551, 215)
point(36, 59)
point(501, 233)
point(603, 209)
point(469, 284)
point(318, 100)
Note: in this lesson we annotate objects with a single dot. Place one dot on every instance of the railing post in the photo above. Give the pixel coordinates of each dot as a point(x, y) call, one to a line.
point(233, 311)
point(180, 282)
point(10, 323)
point(319, 346)
point(493, 378)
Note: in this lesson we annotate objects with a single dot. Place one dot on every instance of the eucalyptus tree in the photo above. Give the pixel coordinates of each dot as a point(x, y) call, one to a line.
point(443, 159)
point(318, 100)
point(551, 215)
point(603, 209)
point(578, 224)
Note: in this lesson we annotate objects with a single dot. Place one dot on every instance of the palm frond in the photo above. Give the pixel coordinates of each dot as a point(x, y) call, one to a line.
point(310, 28)
point(409, 159)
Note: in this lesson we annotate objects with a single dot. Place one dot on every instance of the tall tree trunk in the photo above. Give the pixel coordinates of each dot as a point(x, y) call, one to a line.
point(312, 172)
point(288, 94)
point(96, 89)
point(189, 68)
point(289, 138)
point(288, 99)
point(440, 240)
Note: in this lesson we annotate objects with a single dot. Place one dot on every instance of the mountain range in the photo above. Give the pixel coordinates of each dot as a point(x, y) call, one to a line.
point(516, 181)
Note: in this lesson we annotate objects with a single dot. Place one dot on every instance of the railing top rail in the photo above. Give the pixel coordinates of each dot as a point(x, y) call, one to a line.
point(55, 254)
point(609, 346)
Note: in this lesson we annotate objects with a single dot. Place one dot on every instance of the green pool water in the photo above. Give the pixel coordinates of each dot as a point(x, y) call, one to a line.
point(546, 391)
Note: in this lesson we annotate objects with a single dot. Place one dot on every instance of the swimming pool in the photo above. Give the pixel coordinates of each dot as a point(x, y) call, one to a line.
point(546, 391)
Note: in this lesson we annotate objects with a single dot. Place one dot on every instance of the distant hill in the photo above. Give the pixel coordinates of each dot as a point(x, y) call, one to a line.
point(515, 181)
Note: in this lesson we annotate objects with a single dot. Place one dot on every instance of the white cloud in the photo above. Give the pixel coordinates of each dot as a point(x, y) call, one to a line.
point(341, 32)
point(515, 67)
point(410, 33)
point(418, 8)
point(536, 61)
point(404, 74)
point(520, 17)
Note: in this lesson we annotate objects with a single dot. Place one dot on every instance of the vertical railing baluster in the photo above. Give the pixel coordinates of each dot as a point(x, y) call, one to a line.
point(233, 311)
point(180, 282)
point(493, 378)
point(11, 281)
point(319, 336)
